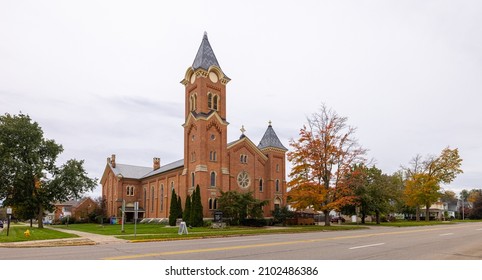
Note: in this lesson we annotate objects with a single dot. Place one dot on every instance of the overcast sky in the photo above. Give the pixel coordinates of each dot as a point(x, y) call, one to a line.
point(102, 77)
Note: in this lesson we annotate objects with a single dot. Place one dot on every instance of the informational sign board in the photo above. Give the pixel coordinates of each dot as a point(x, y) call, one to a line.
point(9, 210)
point(218, 216)
point(182, 228)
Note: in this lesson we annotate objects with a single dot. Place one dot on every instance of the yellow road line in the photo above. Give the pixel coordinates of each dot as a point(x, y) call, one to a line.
point(137, 256)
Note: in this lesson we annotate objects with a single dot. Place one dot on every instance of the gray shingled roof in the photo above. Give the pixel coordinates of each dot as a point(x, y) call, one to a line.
point(167, 167)
point(131, 171)
point(205, 55)
point(140, 172)
point(270, 140)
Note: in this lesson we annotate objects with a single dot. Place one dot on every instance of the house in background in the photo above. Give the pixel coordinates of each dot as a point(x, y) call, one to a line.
point(78, 209)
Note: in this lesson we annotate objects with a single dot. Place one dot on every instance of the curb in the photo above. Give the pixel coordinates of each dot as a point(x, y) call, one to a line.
point(49, 243)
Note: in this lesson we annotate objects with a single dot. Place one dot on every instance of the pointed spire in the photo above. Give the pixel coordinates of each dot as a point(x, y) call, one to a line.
point(270, 140)
point(205, 55)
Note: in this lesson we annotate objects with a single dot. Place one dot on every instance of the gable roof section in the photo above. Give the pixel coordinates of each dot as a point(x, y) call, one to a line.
point(249, 143)
point(271, 140)
point(140, 172)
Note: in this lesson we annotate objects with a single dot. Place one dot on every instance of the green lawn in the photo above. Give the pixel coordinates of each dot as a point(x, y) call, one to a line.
point(160, 232)
point(16, 234)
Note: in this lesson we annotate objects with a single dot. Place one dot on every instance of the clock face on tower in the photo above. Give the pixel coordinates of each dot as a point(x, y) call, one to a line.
point(243, 179)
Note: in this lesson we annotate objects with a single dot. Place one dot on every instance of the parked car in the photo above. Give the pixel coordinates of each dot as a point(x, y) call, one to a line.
point(336, 219)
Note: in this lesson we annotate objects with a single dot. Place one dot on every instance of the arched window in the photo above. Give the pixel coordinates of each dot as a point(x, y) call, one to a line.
point(192, 179)
point(215, 103)
point(210, 100)
point(277, 186)
point(213, 179)
point(212, 156)
point(194, 102)
point(260, 184)
point(277, 203)
point(172, 186)
point(215, 204)
point(210, 203)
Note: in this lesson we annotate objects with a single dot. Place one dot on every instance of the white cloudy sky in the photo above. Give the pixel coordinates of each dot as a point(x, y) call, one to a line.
point(102, 77)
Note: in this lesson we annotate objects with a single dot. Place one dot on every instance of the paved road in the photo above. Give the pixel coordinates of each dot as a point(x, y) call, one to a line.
point(459, 241)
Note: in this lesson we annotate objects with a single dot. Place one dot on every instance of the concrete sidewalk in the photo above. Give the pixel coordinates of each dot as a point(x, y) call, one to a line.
point(85, 238)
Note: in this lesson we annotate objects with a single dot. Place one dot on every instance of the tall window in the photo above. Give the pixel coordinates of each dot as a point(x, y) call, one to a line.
point(260, 184)
point(193, 102)
point(277, 186)
point(172, 186)
point(192, 179)
point(215, 102)
point(161, 205)
point(213, 179)
point(210, 100)
point(212, 156)
point(145, 198)
point(152, 198)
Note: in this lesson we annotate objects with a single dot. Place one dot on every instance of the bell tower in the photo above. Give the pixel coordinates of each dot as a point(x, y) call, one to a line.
point(205, 126)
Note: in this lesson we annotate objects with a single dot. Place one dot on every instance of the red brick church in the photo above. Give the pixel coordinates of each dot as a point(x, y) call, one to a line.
point(210, 161)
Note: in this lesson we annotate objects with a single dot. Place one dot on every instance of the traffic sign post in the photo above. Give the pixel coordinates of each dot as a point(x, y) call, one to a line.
point(136, 210)
point(9, 213)
point(123, 214)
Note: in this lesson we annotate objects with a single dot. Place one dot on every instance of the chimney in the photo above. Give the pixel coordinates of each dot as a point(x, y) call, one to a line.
point(156, 163)
point(112, 160)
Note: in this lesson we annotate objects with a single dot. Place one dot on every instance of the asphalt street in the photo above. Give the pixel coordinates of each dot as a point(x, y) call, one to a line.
point(441, 242)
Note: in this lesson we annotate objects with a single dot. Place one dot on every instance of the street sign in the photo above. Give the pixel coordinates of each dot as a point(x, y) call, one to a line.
point(9, 210)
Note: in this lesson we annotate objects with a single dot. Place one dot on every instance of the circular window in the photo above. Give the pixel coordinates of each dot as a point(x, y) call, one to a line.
point(243, 179)
point(213, 137)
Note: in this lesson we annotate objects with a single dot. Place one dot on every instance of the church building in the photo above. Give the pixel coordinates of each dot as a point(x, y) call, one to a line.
point(210, 161)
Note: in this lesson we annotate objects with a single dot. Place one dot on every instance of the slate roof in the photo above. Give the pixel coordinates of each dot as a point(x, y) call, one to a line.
point(167, 167)
point(131, 171)
point(270, 140)
point(205, 57)
point(140, 172)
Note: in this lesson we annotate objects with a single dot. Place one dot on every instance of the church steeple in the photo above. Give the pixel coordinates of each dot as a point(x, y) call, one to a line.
point(205, 56)
point(271, 140)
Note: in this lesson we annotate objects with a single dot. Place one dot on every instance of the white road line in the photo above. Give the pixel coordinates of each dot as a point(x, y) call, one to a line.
point(234, 241)
point(365, 246)
point(445, 234)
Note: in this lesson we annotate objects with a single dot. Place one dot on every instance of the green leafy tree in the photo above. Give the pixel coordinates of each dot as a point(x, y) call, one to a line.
point(240, 206)
point(425, 176)
point(376, 193)
point(179, 205)
point(197, 209)
point(30, 180)
point(186, 215)
point(173, 209)
point(476, 211)
point(281, 214)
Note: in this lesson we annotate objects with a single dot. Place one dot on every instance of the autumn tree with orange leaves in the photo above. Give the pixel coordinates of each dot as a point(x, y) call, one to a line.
point(320, 159)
